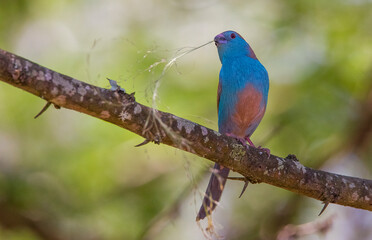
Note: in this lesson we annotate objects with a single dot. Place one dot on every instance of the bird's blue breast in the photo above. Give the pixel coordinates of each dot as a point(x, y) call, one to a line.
point(236, 75)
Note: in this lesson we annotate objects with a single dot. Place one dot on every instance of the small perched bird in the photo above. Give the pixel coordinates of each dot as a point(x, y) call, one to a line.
point(241, 102)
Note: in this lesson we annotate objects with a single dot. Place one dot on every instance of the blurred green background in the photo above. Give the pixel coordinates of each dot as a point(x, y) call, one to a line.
point(70, 176)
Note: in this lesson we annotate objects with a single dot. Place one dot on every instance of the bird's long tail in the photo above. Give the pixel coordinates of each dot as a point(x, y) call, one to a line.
point(214, 190)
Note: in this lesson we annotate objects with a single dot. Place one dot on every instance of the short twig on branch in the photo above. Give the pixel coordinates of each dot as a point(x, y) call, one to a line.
point(121, 109)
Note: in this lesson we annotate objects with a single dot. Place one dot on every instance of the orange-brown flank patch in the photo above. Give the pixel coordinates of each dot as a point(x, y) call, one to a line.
point(249, 110)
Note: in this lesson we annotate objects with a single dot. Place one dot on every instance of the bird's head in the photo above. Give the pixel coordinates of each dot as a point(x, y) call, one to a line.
point(230, 44)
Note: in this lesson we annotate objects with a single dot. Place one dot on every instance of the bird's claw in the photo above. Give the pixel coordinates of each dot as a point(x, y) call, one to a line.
point(241, 140)
point(250, 143)
point(266, 150)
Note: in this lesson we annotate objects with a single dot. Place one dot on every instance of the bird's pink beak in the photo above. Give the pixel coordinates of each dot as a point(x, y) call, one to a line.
point(220, 39)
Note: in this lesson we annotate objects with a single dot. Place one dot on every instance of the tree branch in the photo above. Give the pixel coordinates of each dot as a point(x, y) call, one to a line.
point(122, 110)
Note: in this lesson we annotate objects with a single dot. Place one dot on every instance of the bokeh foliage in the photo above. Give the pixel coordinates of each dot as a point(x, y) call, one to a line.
point(69, 176)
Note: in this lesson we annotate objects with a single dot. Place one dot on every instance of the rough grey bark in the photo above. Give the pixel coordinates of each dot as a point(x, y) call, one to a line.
point(122, 110)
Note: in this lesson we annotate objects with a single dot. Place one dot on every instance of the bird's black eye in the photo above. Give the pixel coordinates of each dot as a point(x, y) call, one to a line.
point(232, 35)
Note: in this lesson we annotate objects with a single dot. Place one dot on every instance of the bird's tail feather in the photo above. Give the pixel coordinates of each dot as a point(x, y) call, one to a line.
point(214, 190)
